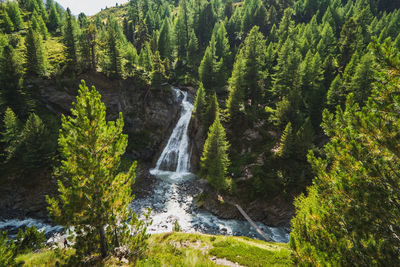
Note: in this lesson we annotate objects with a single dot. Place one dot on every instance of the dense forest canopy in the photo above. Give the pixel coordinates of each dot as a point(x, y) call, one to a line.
point(290, 93)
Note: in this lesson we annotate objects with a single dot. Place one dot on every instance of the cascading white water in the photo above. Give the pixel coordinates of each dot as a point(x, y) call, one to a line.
point(175, 157)
point(173, 197)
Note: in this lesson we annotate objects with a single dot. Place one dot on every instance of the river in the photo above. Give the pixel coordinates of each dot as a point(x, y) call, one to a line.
point(173, 197)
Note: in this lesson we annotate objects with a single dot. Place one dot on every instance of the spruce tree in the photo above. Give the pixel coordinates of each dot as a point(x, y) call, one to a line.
point(158, 76)
point(146, 57)
point(286, 142)
point(7, 24)
point(113, 50)
point(35, 56)
point(361, 82)
point(14, 13)
point(200, 103)
point(11, 135)
point(54, 21)
point(10, 80)
point(215, 160)
point(236, 90)
point(254, 55)
point(212, 111)
point(70, 42)
point(351, 213)
point(164, 40)
point(94, 195)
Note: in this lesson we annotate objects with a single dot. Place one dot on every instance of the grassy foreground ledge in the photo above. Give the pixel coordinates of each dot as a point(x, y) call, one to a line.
point(184, 249)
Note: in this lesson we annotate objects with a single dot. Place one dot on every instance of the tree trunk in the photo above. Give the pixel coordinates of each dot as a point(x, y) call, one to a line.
point(103, 242)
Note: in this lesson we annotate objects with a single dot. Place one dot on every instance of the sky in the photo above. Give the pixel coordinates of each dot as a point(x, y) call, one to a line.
point(89, 7)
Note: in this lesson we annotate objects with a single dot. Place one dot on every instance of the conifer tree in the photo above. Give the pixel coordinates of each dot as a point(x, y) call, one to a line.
point(11, 135)
point(158, 76)
point(132, 59)
point(236, 90)
point(215, 160)
point(87, 46)
point(37, 146)
point(336, 93)
point(10, 80)
point(287, 142)
point(193, 49)
point(14, 13)
point(352, 210)
point(35, 56)
point(146, 57)
point(94, 195)
point(7, 24)
point(164, 40)
point(222, 48)
point(254, 54)
point(200, 103)
point(209, 69)
point(70, 42)
point(362, 80)
point(212, 110)
point(54, 21)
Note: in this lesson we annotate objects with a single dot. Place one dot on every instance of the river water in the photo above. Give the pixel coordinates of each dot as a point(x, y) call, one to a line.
point(173, 195)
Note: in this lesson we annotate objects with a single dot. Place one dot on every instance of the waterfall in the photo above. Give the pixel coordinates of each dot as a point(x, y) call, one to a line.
point(175, 157)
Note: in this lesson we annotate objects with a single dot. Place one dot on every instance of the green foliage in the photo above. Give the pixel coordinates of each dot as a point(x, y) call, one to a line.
point(29, 239)
point(14, 13)
point(7, 254)
point(287, 142)
point(70, 42)
point(11, 134)
point(351, 212)
point(10, 80)
point(158, 76)
point(200, 104)
point(211, 111)
point(35, 54)
point(209, 69)
point(236, 90)
point(215, 161)
point(94, 197)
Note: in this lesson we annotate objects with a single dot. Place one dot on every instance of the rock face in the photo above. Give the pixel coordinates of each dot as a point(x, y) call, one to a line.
point(149, 119)
point(149, 115)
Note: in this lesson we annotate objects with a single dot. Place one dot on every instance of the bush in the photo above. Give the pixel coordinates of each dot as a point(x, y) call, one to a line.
point(29, 240)
point(7, 251)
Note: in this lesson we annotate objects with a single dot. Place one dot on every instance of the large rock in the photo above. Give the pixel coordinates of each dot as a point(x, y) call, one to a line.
point(149, 115)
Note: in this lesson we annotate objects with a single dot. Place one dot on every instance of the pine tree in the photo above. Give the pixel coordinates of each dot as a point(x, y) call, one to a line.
point(158, 76)
point(146, 57)
point(10, 137)
point(182, 29)
point(7, 24)
point(35, 56)
point(336, 93)
point(352, 210)
point(207, 19)
point(14, 13)
point(222, 48)
point(94, 195)
point(87, 47)
point(113, 50)
point(215, 160)
point(36, 144)
point(236, 91)
point(10, 80)
point(287, 142)
point(164, 40)
point(70, 42)
point(254, 54)
point(54, 21)
point(200, 103)
point(132, 59)
point(209, 69)
point(361, 82)
point(212, 110)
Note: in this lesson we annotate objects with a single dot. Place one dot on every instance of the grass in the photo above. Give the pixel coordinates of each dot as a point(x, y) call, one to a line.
point(185, 249)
